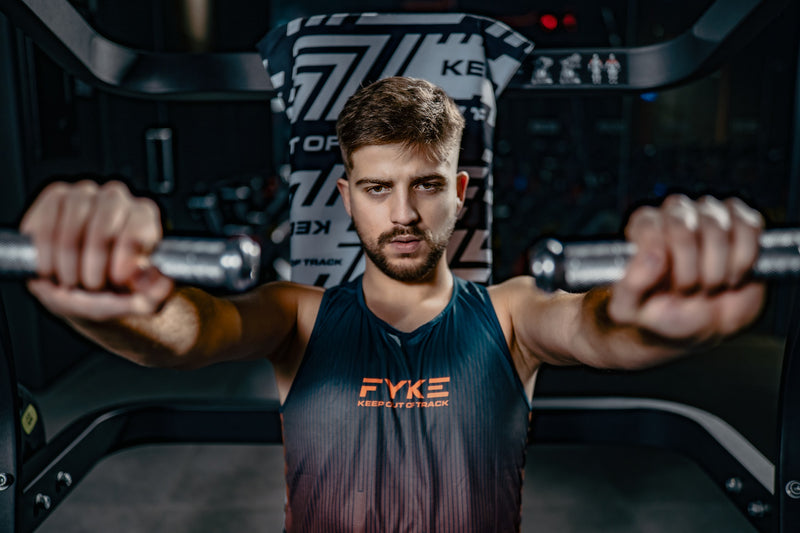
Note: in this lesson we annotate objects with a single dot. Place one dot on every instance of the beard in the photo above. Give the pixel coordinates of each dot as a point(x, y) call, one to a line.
point(415, 272)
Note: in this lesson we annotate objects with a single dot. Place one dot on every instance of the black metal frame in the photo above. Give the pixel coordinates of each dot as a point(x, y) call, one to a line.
point(80, 446)
point(64, 35)
point(41, 483)
point(787, 481)
point(621, 421)
point(10, 435)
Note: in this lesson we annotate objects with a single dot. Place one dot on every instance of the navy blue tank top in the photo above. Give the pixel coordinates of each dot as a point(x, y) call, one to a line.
point(386, 431)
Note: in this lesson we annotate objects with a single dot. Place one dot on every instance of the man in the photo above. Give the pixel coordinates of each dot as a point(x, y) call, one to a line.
point(406, 393)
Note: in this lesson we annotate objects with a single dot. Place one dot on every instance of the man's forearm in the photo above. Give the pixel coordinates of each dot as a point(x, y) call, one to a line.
point(608, 344)
point(181, 334)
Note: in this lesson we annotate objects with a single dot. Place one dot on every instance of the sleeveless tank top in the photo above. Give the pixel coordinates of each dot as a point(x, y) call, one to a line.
point(387, 431)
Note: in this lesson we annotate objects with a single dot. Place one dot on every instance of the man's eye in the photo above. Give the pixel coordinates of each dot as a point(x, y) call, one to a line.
point(377, 189)
point(432, 186)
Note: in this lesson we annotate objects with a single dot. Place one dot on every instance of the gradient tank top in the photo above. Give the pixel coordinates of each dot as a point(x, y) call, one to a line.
point(387, 431)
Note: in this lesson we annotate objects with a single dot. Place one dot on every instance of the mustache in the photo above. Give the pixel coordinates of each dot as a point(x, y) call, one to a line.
point(413, 231)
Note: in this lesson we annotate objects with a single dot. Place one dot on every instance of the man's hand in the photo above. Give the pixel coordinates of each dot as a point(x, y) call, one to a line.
point(689, 280)
point(93, 243)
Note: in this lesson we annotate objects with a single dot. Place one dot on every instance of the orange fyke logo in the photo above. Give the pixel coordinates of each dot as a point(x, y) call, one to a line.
point(416, 392)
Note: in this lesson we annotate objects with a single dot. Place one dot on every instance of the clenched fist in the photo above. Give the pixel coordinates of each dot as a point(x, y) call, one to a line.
point(93, 243)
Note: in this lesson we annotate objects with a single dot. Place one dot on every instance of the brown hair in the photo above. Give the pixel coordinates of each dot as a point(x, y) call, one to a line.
point(409, 111)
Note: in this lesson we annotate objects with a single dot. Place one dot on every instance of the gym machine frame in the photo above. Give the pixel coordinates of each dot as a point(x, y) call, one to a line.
point(767, 494)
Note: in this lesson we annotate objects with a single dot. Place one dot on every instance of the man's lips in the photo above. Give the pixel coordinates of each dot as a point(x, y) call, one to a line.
point(405, 244)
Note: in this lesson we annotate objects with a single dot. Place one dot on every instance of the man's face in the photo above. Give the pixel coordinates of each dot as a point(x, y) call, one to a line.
point(404, 207)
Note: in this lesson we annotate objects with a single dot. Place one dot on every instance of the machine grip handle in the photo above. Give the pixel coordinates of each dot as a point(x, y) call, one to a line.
point(579, 266)
point(231, 263)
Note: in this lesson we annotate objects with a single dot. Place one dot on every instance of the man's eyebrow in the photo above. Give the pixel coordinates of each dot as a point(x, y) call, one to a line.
point(386, 182)
point(372, 181)
point(429, 177)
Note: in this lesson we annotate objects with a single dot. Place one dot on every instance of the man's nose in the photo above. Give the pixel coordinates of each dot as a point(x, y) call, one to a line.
point(404, 210)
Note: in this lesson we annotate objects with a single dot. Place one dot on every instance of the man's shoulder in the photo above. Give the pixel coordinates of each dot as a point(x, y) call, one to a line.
point(505, 289)
point(505, 294)
point(290, 289)
point(311, 299)
point(513, 285)
point(470, 287)
point(287, 297)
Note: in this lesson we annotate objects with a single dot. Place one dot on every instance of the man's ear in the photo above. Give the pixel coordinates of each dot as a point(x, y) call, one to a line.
point(462, 179)
point(344, 191)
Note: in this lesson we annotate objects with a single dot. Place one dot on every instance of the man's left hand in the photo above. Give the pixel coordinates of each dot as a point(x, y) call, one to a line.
point(690, 279)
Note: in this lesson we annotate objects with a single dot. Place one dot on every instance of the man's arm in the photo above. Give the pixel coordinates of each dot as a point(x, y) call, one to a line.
point(93, 243)
point(687, 287)
point(193, 329)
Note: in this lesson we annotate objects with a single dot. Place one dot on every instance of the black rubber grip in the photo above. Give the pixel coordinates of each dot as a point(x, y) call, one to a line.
point(231, 263)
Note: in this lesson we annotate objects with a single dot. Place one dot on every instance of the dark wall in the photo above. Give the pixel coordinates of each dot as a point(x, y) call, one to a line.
point(56, 127)
point(42, 347)
point(574, 166)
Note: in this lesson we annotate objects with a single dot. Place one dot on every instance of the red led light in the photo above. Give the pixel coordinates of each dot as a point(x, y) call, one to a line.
point(548, 22)
point(569, 21)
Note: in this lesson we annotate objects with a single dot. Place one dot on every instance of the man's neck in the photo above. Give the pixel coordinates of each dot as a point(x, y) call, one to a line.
point(407, 305)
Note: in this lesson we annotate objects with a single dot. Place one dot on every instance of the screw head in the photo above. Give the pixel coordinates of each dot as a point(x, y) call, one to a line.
point(6, 480)
point(42, 502)
point(63, 480)
point(793, 489)
point(734, 485)
point(758, 509)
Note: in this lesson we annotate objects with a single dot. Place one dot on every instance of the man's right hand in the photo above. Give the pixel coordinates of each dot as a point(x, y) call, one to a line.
point(93, 243)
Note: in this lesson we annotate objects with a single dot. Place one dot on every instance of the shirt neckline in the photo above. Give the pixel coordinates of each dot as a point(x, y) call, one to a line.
point(391, 329)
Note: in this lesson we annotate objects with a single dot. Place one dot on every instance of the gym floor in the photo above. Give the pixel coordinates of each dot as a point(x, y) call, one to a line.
point(205, 489)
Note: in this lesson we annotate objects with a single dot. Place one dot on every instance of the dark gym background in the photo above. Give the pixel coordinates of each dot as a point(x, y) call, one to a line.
point(565, 165)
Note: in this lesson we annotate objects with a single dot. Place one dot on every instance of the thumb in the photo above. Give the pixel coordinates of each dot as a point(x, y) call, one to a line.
point(152, 285)
point(645, 272)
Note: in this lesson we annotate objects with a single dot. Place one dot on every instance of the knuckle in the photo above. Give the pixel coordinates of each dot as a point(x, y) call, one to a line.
point(713, 213)
point(117, 186)
point(645, 215)
point(683, 217)
point(148, 207)
point(744, 213)
point(56, 188)
point(40, 217)
point(677, 200)
point(115, 191)
point(643, 219)
point(87, 185)
point(150, 215)
point(78, 195)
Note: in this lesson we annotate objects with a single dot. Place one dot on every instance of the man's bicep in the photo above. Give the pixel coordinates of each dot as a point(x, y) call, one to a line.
point(272, 320)
point(545, 326)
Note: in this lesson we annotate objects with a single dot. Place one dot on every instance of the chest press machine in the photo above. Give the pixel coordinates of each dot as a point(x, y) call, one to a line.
point(763, 483)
